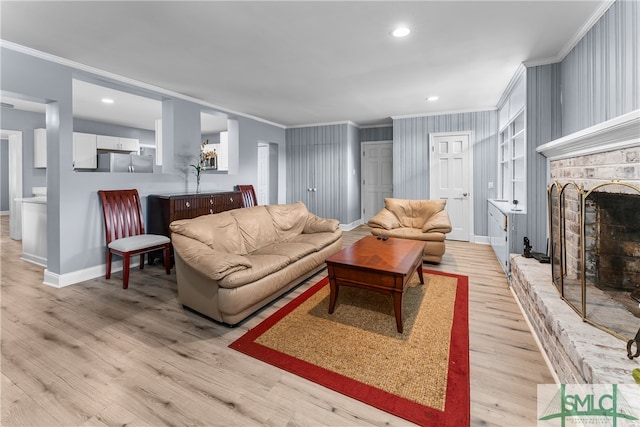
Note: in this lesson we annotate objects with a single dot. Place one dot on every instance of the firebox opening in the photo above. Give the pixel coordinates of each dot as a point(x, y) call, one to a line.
point(612, 249)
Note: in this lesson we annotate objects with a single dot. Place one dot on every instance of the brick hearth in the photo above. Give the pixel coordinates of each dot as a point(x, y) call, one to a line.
point(578, 352)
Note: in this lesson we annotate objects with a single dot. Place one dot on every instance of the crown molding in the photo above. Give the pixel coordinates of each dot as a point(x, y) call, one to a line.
point(444, 113)
point(96, 72)
point(520, 71)
point(388, 125)
point(595, 17)
point(343, 122)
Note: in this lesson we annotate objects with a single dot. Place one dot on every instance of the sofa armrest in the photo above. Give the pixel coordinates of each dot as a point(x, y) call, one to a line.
point(315, 224)
point(384, 219)
point(213, 264)
point(438, 222)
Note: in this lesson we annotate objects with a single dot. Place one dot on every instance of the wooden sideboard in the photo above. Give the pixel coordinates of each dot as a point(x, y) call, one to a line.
point(162, 209)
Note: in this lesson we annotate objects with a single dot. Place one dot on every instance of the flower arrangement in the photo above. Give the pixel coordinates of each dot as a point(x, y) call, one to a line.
point(202, 161)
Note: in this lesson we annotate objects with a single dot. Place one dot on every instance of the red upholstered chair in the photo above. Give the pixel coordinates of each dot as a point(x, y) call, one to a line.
point(248, 195)
point(124, 229)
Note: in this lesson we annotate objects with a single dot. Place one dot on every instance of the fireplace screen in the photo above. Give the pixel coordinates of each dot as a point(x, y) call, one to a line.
point(595, 253)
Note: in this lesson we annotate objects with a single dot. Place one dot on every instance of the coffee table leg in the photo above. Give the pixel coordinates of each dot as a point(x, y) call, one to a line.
point(420, 273)
point(397, 308)
point(333, 295)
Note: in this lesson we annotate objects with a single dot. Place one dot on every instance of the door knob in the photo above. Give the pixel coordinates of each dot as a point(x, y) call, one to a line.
point(464, 194)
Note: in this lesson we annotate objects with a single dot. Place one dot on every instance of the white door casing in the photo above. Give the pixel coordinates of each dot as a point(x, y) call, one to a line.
point(15, 182)
point(451, 167)
point(377, 176)
point(262, 188)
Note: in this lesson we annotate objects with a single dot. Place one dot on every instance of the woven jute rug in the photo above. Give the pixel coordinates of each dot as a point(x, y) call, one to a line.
point(421, 375)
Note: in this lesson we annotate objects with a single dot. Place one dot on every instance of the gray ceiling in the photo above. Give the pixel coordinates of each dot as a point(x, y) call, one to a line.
point(296, 63)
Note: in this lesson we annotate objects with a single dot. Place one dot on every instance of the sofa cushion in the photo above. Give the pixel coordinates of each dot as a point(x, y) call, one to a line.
point(384, 219)
point(213, 264)
point(315, 224)
point(220, 232)
point(288, 220)
point(256, 227)
point(292, 250)
point(413, 213)
point(409, 233)
point(318, 240)
point(261, 266)
point(438, 222)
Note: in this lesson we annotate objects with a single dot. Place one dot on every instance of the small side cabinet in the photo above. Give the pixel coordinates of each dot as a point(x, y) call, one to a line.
point(162, 210)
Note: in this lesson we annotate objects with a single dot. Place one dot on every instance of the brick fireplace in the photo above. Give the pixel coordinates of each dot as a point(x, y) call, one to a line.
point(594, 278)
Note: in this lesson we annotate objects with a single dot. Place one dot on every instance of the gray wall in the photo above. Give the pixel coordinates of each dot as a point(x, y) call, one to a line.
point(325, 157)
point(601, 75)
point(26, 122)
point(353, 174)
point(382, 133)
point(411, 156)
point(75, 228)
point(597, 81)
point(544, 124)
point(4, 175)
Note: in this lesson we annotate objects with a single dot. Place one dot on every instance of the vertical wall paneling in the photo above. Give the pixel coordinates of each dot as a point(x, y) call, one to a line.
point(601, 75)
point(544, 124)
point(411, 156)
point(353, 199)
point(381, 133)
point(318, 159)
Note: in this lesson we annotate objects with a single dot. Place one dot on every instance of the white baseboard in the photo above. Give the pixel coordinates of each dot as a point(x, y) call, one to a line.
point(34, 259)
point(4, 213)
point(351, 226)
point(66, 279)
point(481, 240)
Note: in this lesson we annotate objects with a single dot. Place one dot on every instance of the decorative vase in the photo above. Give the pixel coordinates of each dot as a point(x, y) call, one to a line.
point(197, 183)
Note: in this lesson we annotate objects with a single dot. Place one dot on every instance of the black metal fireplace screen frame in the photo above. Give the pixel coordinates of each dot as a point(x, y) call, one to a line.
point(560, 195)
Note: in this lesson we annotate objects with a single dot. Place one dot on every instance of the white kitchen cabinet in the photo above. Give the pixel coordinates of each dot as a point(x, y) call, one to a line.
point(85, 151)
point(129, 144)
point(113, 143)
point(506, 231)
point(39, 148)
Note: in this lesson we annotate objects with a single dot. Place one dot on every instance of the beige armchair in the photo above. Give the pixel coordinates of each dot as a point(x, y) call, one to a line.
point(415, 219)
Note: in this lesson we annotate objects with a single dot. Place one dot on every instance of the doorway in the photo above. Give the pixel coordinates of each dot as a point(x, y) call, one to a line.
point(377, 176)
point(450, 177)
point(267, 183)
point(14, 177)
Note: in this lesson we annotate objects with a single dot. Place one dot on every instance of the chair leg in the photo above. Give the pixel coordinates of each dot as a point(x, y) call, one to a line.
point(108, 276)
point(167, 261)
point(125, 267)
point(141, 261)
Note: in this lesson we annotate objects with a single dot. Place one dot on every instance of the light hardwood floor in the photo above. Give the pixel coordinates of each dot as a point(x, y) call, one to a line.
point(94, 354)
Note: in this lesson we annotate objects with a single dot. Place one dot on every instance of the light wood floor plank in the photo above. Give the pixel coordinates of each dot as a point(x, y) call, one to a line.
point(94, 354)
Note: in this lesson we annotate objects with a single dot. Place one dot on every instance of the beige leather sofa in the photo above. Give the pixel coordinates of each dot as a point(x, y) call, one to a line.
point(415, 219)
point(231, 264)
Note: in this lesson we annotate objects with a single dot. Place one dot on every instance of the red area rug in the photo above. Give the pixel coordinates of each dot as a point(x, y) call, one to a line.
point(421, 375)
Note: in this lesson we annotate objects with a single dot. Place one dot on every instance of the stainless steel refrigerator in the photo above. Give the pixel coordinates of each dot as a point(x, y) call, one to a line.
point(120, 162)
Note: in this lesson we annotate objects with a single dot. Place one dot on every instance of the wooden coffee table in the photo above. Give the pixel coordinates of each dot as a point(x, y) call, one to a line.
point(383, 266)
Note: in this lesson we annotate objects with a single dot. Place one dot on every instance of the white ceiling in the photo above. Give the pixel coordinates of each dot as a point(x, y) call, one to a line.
point(299, 62)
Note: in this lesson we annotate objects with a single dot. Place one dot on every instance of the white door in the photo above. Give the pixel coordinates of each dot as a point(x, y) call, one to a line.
point(262, 189)
point(377, 176)
point(450, 179)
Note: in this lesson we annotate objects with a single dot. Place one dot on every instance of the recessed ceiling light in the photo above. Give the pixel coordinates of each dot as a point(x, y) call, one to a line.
point(433, 98)
point(107, 100)
point(400, 32)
